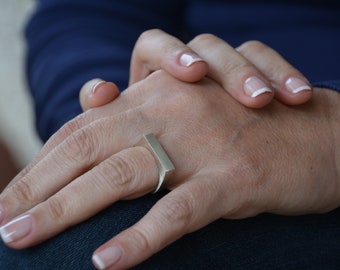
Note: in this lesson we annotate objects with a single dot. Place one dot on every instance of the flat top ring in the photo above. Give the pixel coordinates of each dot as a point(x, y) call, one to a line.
point(164, 164)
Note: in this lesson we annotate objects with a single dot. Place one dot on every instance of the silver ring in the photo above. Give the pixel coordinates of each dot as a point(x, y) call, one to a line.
point(164, 164)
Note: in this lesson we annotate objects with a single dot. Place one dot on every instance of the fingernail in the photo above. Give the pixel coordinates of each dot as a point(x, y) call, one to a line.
point(296, 85)
point(106, 257)
point(16, 229)
point(95, 86)
point(254, 87)
point(187, 59)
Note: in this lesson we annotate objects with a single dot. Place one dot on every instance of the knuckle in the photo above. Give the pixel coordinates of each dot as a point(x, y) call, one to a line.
point(79, 146)
point(24, 193)
point(233, 68)
point(206, 38)
point(252, 45)
point(147, 35)
point(121, 173)
point(178, 210)
point(141, 240)
point(72, 126)
point(57, 208)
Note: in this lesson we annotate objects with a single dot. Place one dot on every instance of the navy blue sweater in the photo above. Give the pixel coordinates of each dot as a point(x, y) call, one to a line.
point(73, 41)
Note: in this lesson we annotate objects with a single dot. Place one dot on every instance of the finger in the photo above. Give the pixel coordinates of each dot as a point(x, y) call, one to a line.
point(54, 141)
point(79, 146)
point(178, 213)
point(78, 153)
point(130, 173)
point(73, 126)
point(97, 93)
point(93, 94)
point(157, 50)
point(291, 87)
point(232, 71)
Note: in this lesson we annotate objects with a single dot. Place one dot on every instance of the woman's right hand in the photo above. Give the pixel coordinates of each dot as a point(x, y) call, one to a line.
point(231, 162)
point(262, 74)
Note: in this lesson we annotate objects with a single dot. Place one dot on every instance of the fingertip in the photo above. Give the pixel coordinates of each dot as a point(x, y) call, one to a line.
point(97, 93)
point(295, 91)
point(257, 102)
point(296, 85)
point(299, 89)
point(106, 257)
point(103, 93)
point(256, 94)
point(294, 99)
point(189, 67)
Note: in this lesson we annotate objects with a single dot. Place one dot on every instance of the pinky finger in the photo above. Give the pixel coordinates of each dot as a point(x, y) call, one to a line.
point(156, 50)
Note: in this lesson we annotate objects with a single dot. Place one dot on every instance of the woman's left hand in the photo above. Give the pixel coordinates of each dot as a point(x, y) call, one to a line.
point(155, 50)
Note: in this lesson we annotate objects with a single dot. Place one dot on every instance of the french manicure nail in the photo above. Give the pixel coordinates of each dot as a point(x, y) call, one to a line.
point(187, 59)
point(16, 229)
point(106, 257)
point(254, 87)
point(296, 85)
point(95, 86)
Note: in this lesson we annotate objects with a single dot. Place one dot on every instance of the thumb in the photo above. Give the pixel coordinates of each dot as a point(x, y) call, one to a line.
point(96, 93)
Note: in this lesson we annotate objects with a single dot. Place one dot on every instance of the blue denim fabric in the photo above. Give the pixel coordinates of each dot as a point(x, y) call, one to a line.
point(263, 242)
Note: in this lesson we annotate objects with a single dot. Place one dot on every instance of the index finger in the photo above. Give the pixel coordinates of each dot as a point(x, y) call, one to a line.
point(156, 50)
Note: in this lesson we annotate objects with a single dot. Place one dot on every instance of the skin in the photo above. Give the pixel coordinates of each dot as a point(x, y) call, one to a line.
point(255, 161)
point(156, 50)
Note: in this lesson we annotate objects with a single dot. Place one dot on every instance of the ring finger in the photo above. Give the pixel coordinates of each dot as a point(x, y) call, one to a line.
point(130, 173)
point(291, 87)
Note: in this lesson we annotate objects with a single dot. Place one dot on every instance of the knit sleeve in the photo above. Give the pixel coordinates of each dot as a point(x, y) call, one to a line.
point(72, 41)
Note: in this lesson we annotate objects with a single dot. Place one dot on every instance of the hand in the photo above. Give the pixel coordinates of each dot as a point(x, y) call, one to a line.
point(96, 93)
point(156, 50)
point(244, 161)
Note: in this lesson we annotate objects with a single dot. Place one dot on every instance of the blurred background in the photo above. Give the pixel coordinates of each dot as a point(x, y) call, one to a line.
point(17, 131)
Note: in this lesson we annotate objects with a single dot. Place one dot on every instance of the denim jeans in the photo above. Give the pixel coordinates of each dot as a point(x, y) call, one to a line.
point(263, 242)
